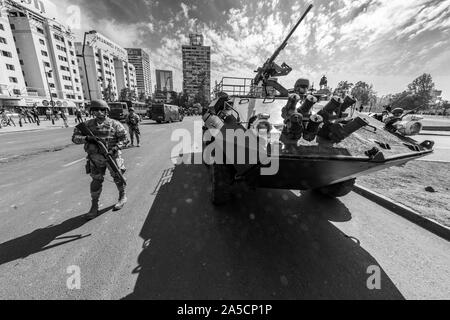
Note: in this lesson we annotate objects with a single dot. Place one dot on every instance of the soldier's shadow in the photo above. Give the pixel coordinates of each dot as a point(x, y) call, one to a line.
point(266, 244)
point(43, 239)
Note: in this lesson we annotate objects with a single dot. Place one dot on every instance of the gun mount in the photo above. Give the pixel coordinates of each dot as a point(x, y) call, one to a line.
point(271, 69)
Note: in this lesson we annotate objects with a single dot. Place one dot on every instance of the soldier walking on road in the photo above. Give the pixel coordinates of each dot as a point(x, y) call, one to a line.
point(133, 121)
point(114, 135)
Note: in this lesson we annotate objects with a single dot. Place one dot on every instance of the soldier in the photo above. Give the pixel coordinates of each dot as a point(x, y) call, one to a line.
point(114, 135)
point(133, 124)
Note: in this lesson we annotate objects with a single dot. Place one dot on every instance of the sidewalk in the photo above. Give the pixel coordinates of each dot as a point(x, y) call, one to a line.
point(45, 125)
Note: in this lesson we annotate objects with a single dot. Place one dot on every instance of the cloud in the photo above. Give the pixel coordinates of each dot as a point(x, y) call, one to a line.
point(347, 40)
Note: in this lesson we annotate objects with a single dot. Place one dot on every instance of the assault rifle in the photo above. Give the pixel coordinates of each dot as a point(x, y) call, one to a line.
point(271, 69)
point(103, 151)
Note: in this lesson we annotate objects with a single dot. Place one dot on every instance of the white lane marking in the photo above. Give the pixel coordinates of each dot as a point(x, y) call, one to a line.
point(72, 163)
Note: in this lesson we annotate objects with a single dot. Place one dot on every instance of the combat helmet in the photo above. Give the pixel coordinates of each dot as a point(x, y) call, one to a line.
point(99, 105)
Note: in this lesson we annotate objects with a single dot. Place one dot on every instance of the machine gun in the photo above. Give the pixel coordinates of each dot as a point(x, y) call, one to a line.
point(271, 69)
point(103, 150)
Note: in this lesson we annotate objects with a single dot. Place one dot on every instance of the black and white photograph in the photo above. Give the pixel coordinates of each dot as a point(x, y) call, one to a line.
point(224, 155)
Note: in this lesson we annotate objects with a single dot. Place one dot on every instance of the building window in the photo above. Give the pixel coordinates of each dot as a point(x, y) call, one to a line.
point(64, 68)
point(44, 53)
point(68, 87)
point(2, 27)
point(13, 27)
point(52, 85)
point(10, 67)
point(41, 31)
point(3, 40)
point(42, 42)
point(21, 62)
point(13, 80)
point(54, 95)
point(17, 92)
point(7, 54)
point(47, 64)
point(72, 53)
point(69, 43)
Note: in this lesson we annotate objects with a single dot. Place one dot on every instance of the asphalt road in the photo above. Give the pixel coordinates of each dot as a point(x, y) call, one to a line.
point(169, 242)
point(441, 147)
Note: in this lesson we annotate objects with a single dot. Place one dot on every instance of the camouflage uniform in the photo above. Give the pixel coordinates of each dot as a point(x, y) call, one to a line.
point(133, 124)
point(114, 135)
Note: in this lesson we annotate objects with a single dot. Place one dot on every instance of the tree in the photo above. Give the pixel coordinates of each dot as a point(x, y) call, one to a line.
point(108, 94)
point(124, 94)
point(422, 88)
point(446, 107)
point(142, 97)
point(363, 92)
point(128, 95)
point(343, 88)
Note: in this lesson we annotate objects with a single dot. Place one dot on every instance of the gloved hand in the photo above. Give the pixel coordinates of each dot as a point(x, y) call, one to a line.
point(114, 151)
point(91, 139)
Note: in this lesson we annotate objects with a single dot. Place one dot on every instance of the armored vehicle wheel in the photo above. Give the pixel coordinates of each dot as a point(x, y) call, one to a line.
point(222, 178)
point(338, 190)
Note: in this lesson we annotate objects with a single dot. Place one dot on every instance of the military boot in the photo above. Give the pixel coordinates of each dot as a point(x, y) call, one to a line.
point(122, 201)
point(93, 213)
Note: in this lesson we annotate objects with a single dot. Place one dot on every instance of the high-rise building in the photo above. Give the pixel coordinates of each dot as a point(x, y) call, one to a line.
point(45, 51)
point(99, 77)
point(125, 76)
point(164, 80)
point(12, 83)
point(196, 68)
point(141, 61)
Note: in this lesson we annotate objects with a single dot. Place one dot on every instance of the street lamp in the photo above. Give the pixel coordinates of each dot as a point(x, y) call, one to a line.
point(165, 89)
point(83, 55)
point(50, 91)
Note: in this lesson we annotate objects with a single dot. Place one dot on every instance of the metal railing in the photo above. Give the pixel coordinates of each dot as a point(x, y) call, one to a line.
point(237, 87)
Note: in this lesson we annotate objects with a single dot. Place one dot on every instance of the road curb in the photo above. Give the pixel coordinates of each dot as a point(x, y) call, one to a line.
point(405, 212)
point(436, 128)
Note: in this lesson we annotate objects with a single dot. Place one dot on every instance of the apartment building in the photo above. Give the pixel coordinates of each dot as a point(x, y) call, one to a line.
point(125, 76)
point(12, 82)
point(141, 60)
point(99, 76)
point(196, 68)
point(164, 80)
point(46, 56)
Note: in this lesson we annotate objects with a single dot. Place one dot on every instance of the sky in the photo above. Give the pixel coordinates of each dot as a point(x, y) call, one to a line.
point(387, 43)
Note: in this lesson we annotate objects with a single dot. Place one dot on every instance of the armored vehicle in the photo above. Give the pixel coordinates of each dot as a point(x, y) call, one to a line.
point(259, 133)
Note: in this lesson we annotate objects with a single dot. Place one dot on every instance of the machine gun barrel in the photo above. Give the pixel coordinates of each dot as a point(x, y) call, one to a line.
point(262, 72)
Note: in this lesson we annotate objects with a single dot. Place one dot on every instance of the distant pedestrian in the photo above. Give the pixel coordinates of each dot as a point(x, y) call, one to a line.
point(48, 114)
point(64, 118)
point(79, 116)
point(29, 116)
point(22, 116)
point(34, 112)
